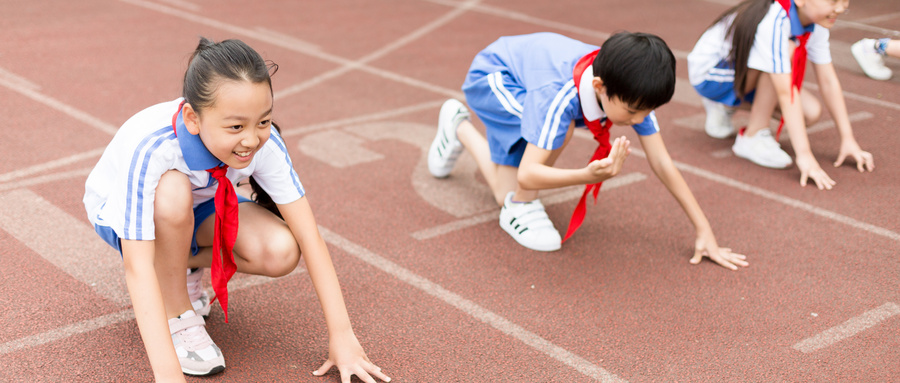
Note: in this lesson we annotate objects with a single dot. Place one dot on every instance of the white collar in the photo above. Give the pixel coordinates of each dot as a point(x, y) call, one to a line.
point(590, 107)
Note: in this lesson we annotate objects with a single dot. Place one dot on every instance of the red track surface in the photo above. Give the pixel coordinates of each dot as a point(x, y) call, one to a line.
point(818, 303)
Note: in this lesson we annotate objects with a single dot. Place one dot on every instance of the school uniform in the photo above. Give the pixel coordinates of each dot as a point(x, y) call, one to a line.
point(120, 190)
point(522, 89)
point(712, 73)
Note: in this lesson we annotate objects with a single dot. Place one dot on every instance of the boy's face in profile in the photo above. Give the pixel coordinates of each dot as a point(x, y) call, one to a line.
point(617, 111)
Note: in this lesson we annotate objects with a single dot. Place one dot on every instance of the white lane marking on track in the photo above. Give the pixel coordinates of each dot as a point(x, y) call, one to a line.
point(840, 218)
point(116, 317)
point(367, 118)
point(19, 81)
point(569, 194)
point(51, 165)
point(696, 122)
point(471, 308)
point(71, 111)
point(347, 64)
point(78, 173)
point(849, 328)
point(66, 242)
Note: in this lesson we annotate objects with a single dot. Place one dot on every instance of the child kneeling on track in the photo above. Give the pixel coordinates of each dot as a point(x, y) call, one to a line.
point(531, 91)
point(745, 57)
point(154, 191)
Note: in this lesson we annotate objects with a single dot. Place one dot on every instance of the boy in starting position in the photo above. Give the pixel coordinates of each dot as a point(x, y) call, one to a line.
point(530, 91)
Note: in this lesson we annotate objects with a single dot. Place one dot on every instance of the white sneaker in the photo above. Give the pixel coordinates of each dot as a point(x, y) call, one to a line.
point(718, 119)
point(199, 297)
point(761, 149)
point(446, 148)
point(529, 225)
point(870, 61)
point(196, 352)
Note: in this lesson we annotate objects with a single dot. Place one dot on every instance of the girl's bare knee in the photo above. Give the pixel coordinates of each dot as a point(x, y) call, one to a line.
point(280, 257)
point(173, 204)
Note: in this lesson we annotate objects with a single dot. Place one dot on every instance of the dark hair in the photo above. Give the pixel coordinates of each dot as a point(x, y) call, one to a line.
point(214, 62)
point(638, 68)
point(747, 16)
point(232, 60)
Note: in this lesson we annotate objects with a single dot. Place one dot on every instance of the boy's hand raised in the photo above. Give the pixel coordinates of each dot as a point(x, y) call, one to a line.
point(606, 168)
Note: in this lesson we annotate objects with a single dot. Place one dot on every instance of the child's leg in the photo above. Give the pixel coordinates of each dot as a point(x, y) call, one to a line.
point(501, 179)
point(264, 244)
point(765, 101)
point(174, 221)
point(893, 48)
point(812, 108)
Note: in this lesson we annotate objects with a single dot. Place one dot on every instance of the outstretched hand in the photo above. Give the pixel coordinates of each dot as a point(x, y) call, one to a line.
point(864, 159)
point(606, 168)
point(345, 352)
point(809, 168)
point(706, 246)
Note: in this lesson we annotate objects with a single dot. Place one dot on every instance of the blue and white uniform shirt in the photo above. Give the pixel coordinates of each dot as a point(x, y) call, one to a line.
point(771, 51)
point(121, 189)
point(542, 64)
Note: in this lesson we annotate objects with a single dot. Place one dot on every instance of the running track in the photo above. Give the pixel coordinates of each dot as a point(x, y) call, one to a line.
point(436, 291)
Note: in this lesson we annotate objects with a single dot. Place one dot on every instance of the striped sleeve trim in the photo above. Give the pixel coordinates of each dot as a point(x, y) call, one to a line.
point(137, 171)
point(281, 146)
point(554, 114)
point(506, 98)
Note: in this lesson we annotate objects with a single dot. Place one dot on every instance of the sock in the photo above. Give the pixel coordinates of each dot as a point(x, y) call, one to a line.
point(881, 45)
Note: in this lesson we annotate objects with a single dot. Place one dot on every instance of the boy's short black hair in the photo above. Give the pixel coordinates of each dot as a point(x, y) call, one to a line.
point(638, 68)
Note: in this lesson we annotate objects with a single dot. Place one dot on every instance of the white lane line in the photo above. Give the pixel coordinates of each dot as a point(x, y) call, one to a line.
point(115, 318)
point(877, 230)
point(77, 173)
point(15, 85)
point(299, 48)
point(396, 44)
point(470, 308)
point(849, 328)
point(829, 124)
point(66, 242)
point(51, 164)
point(364, 118)
point(18, 81)
point(569, 194)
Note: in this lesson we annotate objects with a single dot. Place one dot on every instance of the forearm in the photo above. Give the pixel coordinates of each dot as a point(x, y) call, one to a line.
point(833, 97)
point(149, 310)
point(674, 182)
point(324, 278)
point(792, 113)
point(535, 176)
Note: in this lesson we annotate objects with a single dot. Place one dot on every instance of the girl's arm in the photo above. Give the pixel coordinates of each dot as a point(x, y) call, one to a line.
point(665, 170)
point(792, 112)
point(833, 96)
point(149, 311)
point(344, 350)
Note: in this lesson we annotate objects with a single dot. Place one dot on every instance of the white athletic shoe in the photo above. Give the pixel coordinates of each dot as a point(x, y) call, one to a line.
point(761, 149)
point(718, 119)
point(446, 148)
point(529, 225)
point(196, 352)
point(199, 297)
point(870, 61)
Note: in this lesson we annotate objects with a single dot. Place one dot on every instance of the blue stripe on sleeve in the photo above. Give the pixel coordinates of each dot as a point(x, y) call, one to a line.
point(136, 197)
point(294, 177)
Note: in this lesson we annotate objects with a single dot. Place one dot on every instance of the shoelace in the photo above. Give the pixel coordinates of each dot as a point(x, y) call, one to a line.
point(193, 338)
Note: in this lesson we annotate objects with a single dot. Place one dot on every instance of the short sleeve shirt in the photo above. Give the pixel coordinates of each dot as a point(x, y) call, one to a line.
point(121, 189)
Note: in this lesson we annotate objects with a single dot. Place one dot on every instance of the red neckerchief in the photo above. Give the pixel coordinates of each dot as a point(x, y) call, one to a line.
point(226, 201)
point(798, 63)
point(601, 134)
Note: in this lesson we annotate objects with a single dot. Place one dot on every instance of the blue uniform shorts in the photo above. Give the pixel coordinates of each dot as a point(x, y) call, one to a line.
point(719, 85)
point(497, 100)
point(201, 213)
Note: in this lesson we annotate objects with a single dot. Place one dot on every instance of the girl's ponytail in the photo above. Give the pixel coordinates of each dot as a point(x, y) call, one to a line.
point(747, 16)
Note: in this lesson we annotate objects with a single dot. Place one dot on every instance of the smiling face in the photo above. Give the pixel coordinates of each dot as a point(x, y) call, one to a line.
point(822, 12)
point(237, 124)
point(617, 111)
